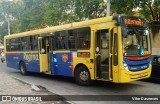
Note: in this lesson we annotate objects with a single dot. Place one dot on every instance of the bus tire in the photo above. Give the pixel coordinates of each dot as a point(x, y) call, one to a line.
point(23, 69)
point(82, 76)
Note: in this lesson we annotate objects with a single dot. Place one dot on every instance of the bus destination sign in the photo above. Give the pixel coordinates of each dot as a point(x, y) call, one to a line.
point(131, 21)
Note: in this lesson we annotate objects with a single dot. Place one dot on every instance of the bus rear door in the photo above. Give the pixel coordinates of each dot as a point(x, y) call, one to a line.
point(43, 43)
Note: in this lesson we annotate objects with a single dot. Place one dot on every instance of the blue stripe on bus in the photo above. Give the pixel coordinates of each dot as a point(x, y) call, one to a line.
point(136, 68)
point(138, 62)
point(137, 65)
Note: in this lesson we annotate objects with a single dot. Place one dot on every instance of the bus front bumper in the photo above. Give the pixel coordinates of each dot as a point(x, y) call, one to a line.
point(128, 76)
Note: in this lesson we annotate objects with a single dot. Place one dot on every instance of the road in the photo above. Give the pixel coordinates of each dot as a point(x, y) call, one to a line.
point(67, 86)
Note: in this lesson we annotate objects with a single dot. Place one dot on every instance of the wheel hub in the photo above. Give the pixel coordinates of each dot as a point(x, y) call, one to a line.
point(84, 75)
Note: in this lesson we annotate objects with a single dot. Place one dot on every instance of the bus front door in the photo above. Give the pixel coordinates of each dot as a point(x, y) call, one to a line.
point(102, 55)
point(43, 54)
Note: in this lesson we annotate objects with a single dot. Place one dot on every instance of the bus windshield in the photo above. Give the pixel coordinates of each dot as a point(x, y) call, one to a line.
point(136, 42)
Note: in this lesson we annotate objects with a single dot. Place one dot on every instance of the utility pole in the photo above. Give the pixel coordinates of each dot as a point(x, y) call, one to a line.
point(8, 16)
point(108, 7)
point(8, 20)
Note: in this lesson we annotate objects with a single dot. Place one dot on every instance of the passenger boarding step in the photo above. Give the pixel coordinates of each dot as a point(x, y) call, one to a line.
point(104, 67)
point(105, 75)
point(104, 71)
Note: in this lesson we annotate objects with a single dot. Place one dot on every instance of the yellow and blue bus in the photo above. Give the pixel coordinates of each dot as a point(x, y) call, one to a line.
point(114, 48)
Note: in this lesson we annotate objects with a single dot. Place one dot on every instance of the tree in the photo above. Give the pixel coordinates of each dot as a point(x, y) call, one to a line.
point(57, 12)
point(150, 9)
point(122, 7)
point(89, 10)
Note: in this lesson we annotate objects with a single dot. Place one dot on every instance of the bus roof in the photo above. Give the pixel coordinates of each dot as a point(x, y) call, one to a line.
point(62, 27)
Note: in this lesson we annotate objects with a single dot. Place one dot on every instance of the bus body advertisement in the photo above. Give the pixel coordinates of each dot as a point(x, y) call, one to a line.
point(114, 48)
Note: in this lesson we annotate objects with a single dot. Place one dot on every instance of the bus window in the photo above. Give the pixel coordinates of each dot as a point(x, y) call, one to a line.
point(29, 41)
point(23, 43)
point(35, 43)
point(136, 40)
point(83, 38)
point(15, 44)
point(72, 39)
point(61, 40)
point(8, 44)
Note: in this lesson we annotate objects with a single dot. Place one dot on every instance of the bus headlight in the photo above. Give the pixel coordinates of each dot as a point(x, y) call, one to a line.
point(125, 66)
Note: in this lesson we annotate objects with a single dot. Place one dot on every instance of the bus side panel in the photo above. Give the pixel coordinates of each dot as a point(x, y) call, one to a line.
point(12, 60)
point(32, 62)
point(61, 64)
point(32, 66)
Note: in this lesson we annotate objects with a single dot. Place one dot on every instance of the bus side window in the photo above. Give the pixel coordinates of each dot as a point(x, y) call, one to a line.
point(35, 42)
point(58, 41)
point(72, 39)
point(53, 42)
point(28, 43)
point(61, 40)
point(31, 43)
point(8, 44)
point(83, 38)
point(65, 39)
point(23, 43)
point(15, 44)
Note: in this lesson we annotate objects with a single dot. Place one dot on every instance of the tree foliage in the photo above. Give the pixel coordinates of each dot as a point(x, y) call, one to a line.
point(122, 6)
point(89, 10)
point(150, 9)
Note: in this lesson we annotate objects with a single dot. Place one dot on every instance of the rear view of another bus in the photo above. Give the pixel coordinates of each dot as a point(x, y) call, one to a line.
point(136, 49)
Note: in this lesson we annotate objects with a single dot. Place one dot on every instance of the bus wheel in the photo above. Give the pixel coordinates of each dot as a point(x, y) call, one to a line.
point(82, 76)
point(23, 69)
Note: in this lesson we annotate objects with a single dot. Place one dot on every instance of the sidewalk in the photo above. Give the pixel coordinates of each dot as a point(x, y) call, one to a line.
point(12, 86)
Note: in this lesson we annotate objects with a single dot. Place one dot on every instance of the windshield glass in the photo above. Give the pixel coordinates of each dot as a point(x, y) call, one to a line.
point(136, 42)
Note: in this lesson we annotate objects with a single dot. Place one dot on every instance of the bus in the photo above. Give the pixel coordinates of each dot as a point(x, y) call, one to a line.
point(114, 48)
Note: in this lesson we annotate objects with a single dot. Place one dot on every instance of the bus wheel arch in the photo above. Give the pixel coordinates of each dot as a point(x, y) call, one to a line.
point(82, 75)
point(22, 68)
